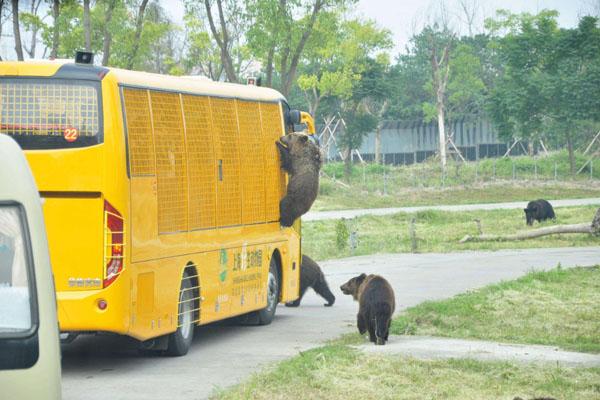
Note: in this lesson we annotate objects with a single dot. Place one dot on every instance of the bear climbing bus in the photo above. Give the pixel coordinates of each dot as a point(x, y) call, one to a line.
point(160, 194)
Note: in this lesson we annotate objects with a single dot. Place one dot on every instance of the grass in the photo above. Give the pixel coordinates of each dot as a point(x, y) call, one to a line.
point(340, 372)
point(489, 180)
point(558, 307)
point(438, 231)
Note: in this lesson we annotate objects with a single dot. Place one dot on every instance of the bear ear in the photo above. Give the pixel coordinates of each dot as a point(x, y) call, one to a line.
point(525, 209)
point(361, 277)
point(303, 138)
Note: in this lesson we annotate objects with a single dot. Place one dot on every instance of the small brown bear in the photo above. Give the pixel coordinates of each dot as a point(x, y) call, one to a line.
point(376, 304)
point(301, 159)
point(312, 276)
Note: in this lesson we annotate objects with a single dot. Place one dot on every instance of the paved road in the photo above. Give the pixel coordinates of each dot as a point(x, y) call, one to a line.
point(321, 215)
point(110, 368)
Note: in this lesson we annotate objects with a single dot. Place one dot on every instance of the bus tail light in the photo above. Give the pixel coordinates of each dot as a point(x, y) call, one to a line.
point(113, 243)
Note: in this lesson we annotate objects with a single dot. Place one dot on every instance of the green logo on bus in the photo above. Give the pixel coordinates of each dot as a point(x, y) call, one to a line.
point(223, 262)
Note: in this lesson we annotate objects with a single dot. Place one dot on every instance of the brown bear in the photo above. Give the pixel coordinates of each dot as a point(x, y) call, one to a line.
point(312, 276)
point(376, 304)
point(301, 159)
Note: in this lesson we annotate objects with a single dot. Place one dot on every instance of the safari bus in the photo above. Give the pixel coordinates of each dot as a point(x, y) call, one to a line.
point(160, 196)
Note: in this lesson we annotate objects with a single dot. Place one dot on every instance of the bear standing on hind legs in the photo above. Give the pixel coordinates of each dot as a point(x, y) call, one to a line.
point(312, 276)
point(301, 159)
point(376, 304)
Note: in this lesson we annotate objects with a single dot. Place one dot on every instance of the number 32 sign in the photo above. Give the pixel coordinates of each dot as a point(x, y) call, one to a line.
point(70, 134)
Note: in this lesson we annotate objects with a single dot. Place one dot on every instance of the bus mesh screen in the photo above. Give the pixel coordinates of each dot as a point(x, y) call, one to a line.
point(274, 179)
point(47, 108)
point(201, 162)
point(171, 165)
point(224, 123)
point(252, 162)
point(139, 132)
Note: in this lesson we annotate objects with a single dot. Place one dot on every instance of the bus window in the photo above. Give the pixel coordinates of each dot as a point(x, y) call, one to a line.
point(50, 113)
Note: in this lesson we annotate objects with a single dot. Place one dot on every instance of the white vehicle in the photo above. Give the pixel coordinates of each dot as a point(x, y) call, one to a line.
point(29, 344)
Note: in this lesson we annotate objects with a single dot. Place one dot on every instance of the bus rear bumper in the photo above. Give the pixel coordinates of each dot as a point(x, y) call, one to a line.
point(94, 310)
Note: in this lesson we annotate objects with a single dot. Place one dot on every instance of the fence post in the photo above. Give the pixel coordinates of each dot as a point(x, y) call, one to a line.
point(384, 182)
point(555, 171)
point(535, 168)
point(364, 176)
point(494, 171)
point(413, 235)
point(476, 170)
point(591, 170)
point(514, 170)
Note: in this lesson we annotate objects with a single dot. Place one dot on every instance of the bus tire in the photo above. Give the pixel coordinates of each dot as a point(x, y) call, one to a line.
point(180, 341)
point(266, 315)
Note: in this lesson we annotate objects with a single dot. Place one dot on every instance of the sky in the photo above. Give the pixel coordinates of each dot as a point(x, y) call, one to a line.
point(405, 17)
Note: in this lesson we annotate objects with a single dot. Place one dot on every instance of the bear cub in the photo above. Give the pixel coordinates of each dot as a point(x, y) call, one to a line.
point(312, 276)
point(301, 159)
point(376, 304)
point(539, 210)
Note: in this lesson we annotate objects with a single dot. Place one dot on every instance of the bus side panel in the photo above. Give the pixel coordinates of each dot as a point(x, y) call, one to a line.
point(143, 218)
point(290, 282)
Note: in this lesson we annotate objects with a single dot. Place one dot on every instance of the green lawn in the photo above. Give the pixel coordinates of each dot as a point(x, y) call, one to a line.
point(486, 181)
point(558, 307)
point(438, 231)
point(338, 372)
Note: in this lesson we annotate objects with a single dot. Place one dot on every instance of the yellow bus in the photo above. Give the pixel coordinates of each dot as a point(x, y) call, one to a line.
point(160, 194)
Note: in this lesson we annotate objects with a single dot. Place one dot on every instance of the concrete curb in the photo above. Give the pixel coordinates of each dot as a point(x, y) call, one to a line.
point(432, 348)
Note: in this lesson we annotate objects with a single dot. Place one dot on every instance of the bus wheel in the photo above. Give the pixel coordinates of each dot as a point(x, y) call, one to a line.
point(265, 316)
point(181, 340)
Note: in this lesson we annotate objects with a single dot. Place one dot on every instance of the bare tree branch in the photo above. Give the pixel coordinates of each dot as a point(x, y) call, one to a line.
point(139, 25)
point(87, 25)
point(107, 34)
point(222, 39)
point(55, 30)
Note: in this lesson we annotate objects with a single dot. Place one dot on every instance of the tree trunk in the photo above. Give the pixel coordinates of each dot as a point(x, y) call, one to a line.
point(139, 25)
point(55, 28)
point(34, 31)
point(575, 228)
point(107, 34)
point(378, 145)
point(571, 153)
point(593, 228)
point(17, 30)
point(222, 39)
point(87, 25)
point(270, 56)
point(442, 134)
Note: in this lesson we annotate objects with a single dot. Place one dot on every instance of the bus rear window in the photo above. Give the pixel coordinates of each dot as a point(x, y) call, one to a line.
point(51, 113)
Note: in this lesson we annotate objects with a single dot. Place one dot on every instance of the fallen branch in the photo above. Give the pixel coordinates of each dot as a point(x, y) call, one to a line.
point(593, 229)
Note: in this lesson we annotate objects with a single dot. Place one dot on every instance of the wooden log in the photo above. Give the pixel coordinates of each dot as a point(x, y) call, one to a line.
point(550, 230)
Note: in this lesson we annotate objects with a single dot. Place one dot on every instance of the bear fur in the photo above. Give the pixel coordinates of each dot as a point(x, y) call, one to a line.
point(539, 210)
point(301, 159)
point(376, 304)
point(312, 276)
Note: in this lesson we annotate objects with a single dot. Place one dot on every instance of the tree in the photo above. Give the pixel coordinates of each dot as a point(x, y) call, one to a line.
point(108, 13)
point(32, 23)
point(55, 30)
point(17, 29)
point(550, 82)
point(280, 31)
point(139, 24)
point(336, 57)
point(221, 35)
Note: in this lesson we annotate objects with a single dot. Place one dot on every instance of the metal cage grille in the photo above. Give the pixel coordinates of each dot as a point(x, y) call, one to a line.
point(48, 108)
point(171, 166)
point(139, 132)
point(201, 162)
point(252, 162)
point(272, 130)
point(228, 190)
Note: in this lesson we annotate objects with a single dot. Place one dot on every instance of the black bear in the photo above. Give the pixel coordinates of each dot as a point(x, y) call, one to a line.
point(312, 276)
point(538, 210)
point(301, 159)
point(376, 304)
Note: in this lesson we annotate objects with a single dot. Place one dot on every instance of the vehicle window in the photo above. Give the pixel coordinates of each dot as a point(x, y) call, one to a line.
point(15, 299)
point(50, 113)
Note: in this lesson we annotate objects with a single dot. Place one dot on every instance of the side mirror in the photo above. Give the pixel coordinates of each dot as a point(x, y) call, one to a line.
point(295, 117)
